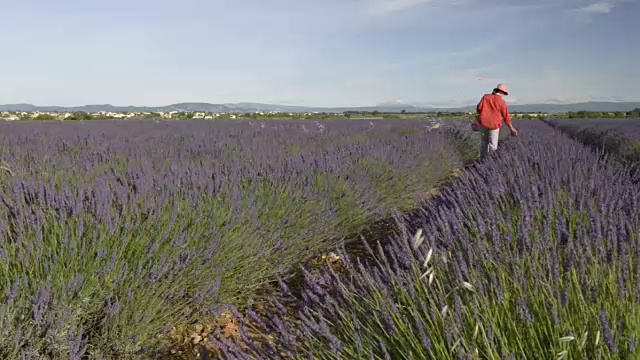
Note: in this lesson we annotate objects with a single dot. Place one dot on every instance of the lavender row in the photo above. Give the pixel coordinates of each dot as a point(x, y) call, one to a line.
point(535, 252)
point(113, 232)
point(618, 137)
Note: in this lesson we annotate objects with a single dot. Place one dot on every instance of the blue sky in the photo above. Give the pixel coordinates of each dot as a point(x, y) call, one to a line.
point(317, 52)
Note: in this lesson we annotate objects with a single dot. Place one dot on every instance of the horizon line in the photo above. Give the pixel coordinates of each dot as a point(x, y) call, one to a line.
point(318, 106)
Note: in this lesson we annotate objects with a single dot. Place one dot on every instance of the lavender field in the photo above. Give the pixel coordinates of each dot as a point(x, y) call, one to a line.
point(115, 232)
point(535, 254)
point(119, 235)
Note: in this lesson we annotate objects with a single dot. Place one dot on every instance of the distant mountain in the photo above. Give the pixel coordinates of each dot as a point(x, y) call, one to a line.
point(253, 107)
point(206, 107)
point(601, 106)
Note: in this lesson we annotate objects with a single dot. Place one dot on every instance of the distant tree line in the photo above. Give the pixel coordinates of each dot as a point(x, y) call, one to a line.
point(78, 115)
point(402, 113)
point(599, 114)
point(82, 116)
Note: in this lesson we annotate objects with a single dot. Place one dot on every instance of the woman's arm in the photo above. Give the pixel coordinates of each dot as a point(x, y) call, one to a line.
point(507, 118)
point(505, 114)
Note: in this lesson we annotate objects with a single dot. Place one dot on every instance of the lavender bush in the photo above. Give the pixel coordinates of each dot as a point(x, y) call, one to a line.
point(113, 231)
point(532, 254)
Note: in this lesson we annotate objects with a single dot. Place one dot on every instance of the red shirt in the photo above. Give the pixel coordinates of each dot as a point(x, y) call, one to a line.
point(492, 109)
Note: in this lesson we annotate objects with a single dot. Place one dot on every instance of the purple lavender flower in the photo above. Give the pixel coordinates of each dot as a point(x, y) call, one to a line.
point(607, 332)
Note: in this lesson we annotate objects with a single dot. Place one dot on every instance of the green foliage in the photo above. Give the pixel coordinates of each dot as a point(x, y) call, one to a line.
point(80, 115)
point(152, 115)
point(44, 117)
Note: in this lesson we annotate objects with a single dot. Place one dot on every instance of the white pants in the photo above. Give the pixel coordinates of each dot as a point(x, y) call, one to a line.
point(489, 142)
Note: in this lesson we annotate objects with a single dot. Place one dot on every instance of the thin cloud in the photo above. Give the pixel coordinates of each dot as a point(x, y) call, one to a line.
point(597, 8)
point(586, 13)
point(383, 7)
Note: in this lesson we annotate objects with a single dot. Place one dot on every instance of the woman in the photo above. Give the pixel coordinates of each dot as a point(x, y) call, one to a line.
point(492, 109)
